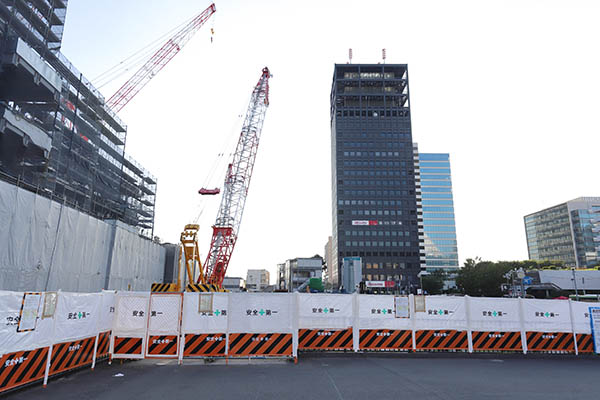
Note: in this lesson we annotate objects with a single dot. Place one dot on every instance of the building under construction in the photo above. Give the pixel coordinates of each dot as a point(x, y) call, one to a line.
point(57, 136)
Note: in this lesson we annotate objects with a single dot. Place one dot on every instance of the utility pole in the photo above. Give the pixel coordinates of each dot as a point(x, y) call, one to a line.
point(575, 283)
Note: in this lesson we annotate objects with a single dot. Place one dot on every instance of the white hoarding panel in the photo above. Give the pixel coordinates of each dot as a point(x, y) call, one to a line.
point(327, 311)
point(107, 311)
point(197, 321)
point(546, 315)
point(77, 315)
point(581, 317)
point(442, 312)
point(488, 314)
point(131, 313)
point(164, 313)
point(261, 313)
point(377, 312)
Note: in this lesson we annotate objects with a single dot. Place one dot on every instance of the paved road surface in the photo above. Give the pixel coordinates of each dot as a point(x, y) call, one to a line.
point(335, 377)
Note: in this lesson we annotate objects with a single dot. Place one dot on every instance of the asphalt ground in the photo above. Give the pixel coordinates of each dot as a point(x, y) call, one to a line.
point(361, 376)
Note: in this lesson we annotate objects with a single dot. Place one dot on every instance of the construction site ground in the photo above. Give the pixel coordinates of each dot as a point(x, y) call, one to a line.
point(334, 376)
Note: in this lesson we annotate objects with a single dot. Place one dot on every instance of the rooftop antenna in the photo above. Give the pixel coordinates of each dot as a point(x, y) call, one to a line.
point(383, 54)
point(350, 55)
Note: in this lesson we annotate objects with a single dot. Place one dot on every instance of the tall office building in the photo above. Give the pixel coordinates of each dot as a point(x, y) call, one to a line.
point(437, 205)
point(373, 174)
point(568, 232)
point(57, 136)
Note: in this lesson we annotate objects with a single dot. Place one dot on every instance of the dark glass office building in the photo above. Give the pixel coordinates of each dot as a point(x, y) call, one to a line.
point(374, 188)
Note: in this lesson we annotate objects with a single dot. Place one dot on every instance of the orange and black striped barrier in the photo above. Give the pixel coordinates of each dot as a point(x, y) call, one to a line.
point(441, 340)
point(385, 339)
point(497, 341)
point(164, 345)
point(585, 343)
point(550, 342)
point(127, 346)
point(204, 345)
point(260, 344)
point(103, 344)
point(22, 367)
point(69, 355)
point(325, 339)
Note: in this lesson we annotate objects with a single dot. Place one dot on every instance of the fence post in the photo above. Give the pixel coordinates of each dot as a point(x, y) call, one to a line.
point(573, 326)
point(295, 324)
point(468, 319)
point(48, 360)
point(355, 319)
point(522, 325)
point(413, 319)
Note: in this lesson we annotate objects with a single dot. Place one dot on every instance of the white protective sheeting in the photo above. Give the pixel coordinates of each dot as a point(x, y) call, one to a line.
point(48, 246)
point(261, 313)
point(10, 339)
point(77, 316)
point(325, 311)
point(581, 316)
point(131, 314)
point(546, 315)
point(107, 311)
point(165, 310)
point(442, 312)
point(377, 312)
point(494, 314)
point(204, 322)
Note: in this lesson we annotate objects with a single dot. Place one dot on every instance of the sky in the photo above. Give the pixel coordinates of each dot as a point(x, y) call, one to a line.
point(508, 88)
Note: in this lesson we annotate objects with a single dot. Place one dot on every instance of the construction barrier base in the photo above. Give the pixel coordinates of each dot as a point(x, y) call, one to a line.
point(260, 344)
point(205, 345)
point(585, 343)
point(497, 341)
point(385, 340)
point(103, 345)
point(550, 342)
point(163, 287)
point(127, 347)
point(443, 340)
point(22, 367)
point(163, 345)
point(69, 355)
point(325, 339)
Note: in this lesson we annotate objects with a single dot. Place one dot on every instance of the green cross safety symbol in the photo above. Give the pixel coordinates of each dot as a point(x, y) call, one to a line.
point(547, 314)
point(384, 311)
point(441, 312)
point(326, 310)
point(217, 312)
point(261, 312)
point(495, 313)
point(80, 314)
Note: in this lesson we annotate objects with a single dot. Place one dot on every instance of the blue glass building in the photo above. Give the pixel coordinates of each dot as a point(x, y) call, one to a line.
point(437, 204)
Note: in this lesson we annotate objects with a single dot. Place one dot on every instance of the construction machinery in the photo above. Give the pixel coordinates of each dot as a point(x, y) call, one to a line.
point(158, 61)
point(229, 217)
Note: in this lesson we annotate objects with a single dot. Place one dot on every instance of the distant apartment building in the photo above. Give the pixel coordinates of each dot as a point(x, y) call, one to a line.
point(328, 259)
point(293, 273)
point(58, 138)
point(437, 208)
point(234, 284)
point(568, 232)
point(257, 280)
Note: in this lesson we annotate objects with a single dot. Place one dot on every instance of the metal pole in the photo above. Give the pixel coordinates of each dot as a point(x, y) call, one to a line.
point(575, 283)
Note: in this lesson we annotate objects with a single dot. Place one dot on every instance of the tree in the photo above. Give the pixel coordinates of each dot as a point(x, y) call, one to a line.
point(484, 278)
point(433, 283)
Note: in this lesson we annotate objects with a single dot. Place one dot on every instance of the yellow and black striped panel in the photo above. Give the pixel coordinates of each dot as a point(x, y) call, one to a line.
point(22, 367)
point(204, 345)
point(260, 344)
point(202, 287)
point(165, 345)
point(550, 342)
point(441, 340)
point(325, 339)
point(585, 343)
point(127, 345)
point(385, 339)
point(164, 287)
point(497, 341)
point(69, 355)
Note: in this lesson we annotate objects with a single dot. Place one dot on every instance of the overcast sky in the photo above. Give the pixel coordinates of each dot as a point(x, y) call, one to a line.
point(508, 88)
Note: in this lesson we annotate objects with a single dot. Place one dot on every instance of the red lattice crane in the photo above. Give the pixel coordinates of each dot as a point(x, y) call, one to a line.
point(235, 189)
point(158, 61)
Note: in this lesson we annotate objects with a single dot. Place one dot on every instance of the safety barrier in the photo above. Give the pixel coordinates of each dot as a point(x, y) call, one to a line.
point(46, 334)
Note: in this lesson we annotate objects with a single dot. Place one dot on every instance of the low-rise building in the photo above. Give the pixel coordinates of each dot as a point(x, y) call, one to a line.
point(234, 284)
point(295, 272)
point(257, 280)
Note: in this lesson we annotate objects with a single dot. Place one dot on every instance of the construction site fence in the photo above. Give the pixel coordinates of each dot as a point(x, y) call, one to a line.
point(46, 333)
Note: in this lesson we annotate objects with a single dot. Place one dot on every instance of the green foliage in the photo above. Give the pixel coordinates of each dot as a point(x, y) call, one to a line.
point(484, 278)
point(434, 282)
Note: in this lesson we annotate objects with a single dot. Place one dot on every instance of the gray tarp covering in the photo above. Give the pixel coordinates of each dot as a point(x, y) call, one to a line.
point(47, 246)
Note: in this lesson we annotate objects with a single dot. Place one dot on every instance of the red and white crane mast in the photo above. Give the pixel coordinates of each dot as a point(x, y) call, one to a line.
point(237, 181)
